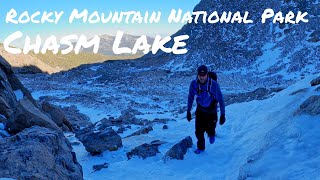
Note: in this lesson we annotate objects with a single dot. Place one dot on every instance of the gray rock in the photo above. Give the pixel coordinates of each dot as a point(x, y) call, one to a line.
point(98, 142)
point(38, 153)
point(27, 115)
point(75, 143)
point(57, 115)
point(121, 129)
point(5, 108)
point(100, 166)
point(299, 91)
point(179, 150)
point(8, 99)
point(127, 118)
point(315, 82)
point(146, 150)
point(76, 118)
point(162, 121)
point(310, 106)
point(144, 130)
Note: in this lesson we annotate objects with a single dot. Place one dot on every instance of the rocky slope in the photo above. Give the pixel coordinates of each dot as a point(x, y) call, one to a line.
point(283, 51)
point(26, 148)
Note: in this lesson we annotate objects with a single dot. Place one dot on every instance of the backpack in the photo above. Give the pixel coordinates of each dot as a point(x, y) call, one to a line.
point(213, 75)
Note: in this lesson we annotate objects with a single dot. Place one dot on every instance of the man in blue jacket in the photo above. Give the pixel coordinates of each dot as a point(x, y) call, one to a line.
point(208, 95)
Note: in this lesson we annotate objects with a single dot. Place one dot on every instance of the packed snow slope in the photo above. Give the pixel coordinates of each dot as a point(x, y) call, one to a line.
point(261, 138)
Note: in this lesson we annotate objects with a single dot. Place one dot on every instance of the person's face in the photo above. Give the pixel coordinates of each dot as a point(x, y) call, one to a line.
point(203, 78)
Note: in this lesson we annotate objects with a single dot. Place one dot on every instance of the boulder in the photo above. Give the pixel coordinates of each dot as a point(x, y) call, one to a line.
point(38, 153)
point(179, 150)
point(146, 150)
point(98, 142)
point(98, 167)
point(57, 116)
point(310, 106)
point(27, 115)
point(144, 130)
point(315, 82)
point(76, 118)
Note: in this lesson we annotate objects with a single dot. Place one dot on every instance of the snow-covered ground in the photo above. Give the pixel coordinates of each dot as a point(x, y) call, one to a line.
point(261, 139)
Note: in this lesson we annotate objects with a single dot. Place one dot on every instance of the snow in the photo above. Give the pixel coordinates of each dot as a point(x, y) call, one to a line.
point(269, 58)
point(19, 94)
point(2, 131)
point(261, 139)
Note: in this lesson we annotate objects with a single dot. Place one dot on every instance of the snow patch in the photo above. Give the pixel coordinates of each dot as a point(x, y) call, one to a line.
point(269, 58)
point(19, 94)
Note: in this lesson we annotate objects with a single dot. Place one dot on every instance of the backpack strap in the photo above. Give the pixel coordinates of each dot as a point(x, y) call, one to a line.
point(209, 86)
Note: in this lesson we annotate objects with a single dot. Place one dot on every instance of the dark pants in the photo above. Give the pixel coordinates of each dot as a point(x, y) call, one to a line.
point(205, 122)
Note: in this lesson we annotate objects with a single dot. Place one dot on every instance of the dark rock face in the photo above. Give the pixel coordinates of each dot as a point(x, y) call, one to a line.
point(98, 142)
point(38, 153)
point(57, 115)
point(146, 150)
point(315, 82)
point(180, 149)
point(27, 115)
point(310, 106)
point(17, 105)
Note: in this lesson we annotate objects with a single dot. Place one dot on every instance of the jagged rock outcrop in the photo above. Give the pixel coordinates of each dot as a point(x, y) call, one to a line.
point(17, 104)
point(20, 109)
point(180, 149)
point(57, 115)
point(27, 115)
point(38, 153)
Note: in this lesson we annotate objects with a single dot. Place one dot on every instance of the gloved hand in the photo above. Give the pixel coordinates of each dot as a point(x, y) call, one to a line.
point(222, 119)
point(189, 116)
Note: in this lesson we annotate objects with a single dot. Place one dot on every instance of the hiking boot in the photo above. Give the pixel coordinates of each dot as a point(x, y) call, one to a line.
point(198, 151)
point(212, 139)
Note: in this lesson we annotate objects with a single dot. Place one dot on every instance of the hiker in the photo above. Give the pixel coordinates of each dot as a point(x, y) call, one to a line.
point(208, 95)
